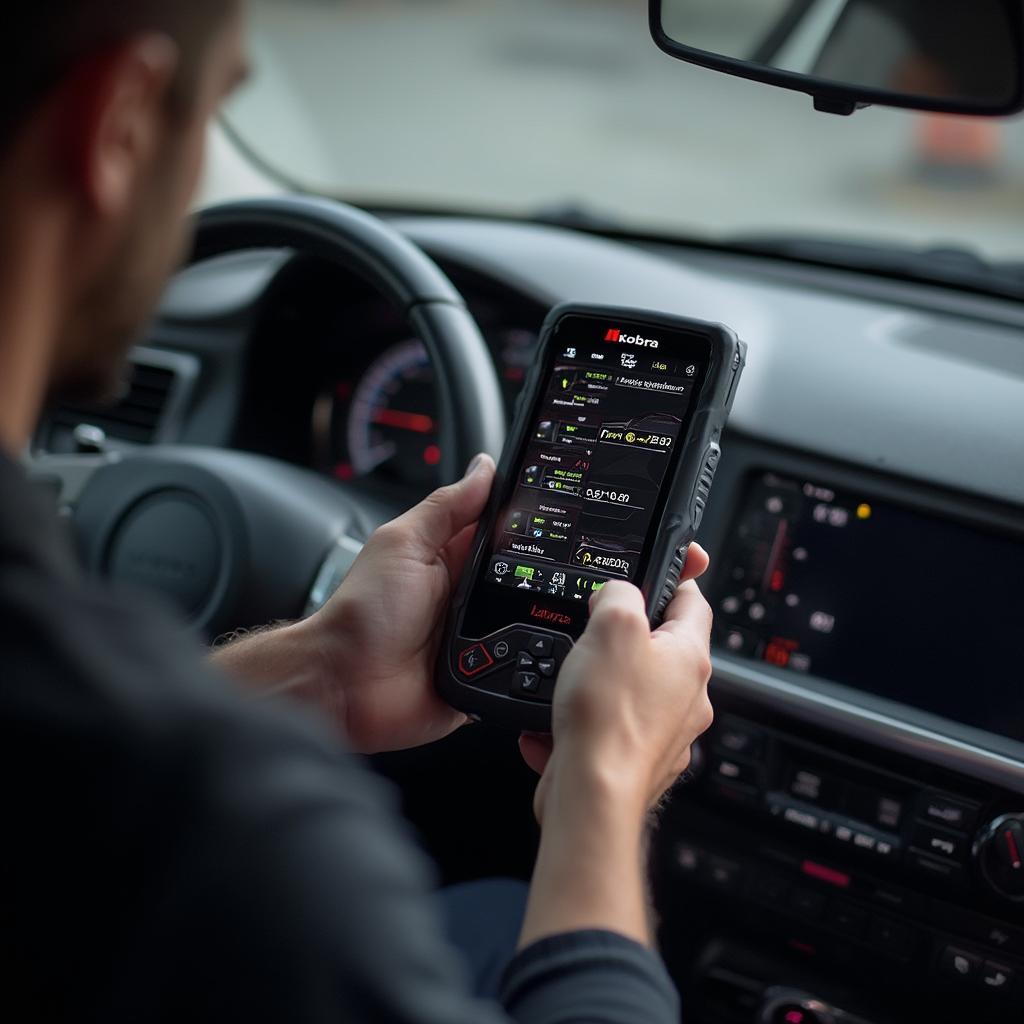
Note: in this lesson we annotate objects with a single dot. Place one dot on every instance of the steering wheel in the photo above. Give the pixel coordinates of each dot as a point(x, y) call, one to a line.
point(235, 539)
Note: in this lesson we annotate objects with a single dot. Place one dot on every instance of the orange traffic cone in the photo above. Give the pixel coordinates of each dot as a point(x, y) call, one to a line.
point(958, 150)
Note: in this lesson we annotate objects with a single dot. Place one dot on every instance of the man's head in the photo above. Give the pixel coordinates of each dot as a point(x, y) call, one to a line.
point(104, 106)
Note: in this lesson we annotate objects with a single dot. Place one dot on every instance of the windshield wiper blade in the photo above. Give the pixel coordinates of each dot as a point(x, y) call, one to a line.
point(953, 266)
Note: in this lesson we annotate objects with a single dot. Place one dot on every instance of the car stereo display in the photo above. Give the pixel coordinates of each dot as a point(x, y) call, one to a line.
point(587, 485)
point(886, 600)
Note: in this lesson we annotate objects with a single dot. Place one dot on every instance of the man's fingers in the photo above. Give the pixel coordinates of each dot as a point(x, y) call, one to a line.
point(443, 515)
point(617, 603)
point(457, 551)
point(688, 615)
point(697, 562)
point(536, 750)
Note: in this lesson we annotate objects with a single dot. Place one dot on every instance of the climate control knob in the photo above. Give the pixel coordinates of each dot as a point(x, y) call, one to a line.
point(999, 851)
point(789, 1006)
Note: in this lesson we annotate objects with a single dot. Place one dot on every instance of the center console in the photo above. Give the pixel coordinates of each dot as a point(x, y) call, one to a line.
point(842, 859)
point(851, 844)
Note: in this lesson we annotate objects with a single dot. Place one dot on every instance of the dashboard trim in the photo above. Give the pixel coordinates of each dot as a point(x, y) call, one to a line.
point(813, 354)
point(753, 683)
point(186, 369)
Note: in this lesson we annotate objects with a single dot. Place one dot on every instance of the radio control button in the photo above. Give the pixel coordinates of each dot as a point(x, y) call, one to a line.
point(524, 660)
point(546, 667)
point(540, 646)
point(864, 840)
point(796, 816)
point(876, 808)
point(812, 786)
point(944, 810)
point(881, 844)
point(956, 963)
point(942, 869)
point(779, 806)
point(740, 739)
point(725, 769)
point(997, 978)
point(473, 660)
point(939, 842)
point(888, 812)
point(886, 848)
point(527, 682)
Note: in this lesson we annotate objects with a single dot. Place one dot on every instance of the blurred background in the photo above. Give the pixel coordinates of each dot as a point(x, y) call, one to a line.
point(564, 107)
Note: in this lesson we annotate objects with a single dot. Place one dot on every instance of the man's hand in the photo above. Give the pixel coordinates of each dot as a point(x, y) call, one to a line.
point(621, 677)
point(367, 657)
point(377, 639)
point(628, 705)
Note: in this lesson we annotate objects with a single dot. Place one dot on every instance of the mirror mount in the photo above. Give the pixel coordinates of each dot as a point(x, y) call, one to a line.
point(943, 56)
point(836, 105)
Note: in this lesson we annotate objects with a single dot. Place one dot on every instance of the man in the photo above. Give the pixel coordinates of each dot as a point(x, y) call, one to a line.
point(174, 849)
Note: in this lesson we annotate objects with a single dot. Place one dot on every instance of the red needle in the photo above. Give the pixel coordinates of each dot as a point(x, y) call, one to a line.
point(414, 421)
point(1014, 852)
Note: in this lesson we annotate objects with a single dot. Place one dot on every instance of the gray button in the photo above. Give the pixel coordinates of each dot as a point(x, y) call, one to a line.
point(528, 682)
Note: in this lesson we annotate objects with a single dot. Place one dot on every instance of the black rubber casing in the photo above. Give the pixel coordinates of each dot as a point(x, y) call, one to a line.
point(676, 528)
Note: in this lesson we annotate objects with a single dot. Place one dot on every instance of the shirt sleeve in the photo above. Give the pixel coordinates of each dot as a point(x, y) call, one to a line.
point(589, 977)
point(308, 902)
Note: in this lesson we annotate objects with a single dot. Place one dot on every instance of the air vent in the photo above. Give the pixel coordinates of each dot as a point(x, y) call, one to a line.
point(147, 413)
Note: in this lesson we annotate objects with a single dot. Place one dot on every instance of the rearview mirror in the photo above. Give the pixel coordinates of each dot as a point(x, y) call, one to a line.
point(951, 56)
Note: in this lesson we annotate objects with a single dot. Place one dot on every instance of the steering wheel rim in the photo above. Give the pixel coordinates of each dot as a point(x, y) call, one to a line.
point(235, 539)
point(469, 394)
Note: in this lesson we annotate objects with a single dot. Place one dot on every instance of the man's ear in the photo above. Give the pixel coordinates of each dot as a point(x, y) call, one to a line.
point(116, 115)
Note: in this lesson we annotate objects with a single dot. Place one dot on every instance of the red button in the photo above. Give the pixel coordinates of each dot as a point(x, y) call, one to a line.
point(839, 879)
point(474, 660)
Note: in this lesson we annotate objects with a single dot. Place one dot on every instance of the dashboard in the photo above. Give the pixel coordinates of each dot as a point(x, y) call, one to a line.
point(861, 797)
point(352, 393)
point(381, 419)
point(906, 604)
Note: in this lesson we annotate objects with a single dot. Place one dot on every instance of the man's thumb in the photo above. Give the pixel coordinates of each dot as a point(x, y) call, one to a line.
point(444, 514)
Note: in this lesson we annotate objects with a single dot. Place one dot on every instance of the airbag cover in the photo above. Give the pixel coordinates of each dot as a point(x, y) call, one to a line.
point(168, 542)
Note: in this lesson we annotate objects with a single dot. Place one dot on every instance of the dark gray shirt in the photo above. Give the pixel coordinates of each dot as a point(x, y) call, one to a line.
point(173, 852)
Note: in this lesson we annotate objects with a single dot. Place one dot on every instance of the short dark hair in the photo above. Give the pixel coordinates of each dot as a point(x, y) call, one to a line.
point(46, 38)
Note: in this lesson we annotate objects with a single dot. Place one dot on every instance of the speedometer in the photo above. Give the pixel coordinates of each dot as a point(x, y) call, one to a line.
point(392, 424)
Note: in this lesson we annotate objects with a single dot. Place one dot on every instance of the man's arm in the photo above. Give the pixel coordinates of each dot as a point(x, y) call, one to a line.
point(282, 659)
point(628, 706)
point(368, 657)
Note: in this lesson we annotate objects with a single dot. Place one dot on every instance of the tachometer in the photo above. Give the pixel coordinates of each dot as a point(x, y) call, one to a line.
point(392, 421)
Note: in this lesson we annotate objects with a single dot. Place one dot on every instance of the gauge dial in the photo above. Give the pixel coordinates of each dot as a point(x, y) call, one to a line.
point(516, 350)
point(392, 426)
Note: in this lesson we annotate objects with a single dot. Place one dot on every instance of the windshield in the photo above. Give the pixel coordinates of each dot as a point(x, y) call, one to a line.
point(563, 107)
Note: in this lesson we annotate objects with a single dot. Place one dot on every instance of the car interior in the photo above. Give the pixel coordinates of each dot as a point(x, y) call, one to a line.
point(848, 844)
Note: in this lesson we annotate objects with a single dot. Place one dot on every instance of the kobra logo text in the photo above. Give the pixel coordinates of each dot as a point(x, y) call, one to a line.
point(618, 338)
